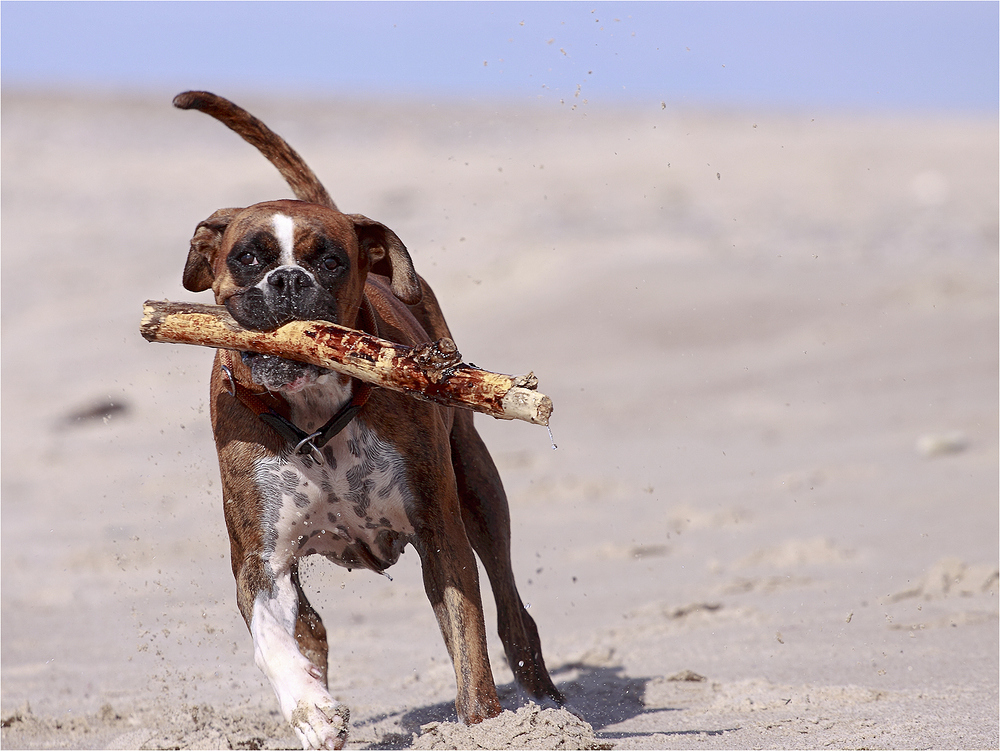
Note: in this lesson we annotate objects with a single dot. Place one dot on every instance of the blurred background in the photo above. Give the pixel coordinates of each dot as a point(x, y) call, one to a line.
point(750, 250)
point(919, 56)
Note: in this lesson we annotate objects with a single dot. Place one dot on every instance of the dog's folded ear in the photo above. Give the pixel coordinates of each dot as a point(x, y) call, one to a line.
point(198, 274)
point(388, 257)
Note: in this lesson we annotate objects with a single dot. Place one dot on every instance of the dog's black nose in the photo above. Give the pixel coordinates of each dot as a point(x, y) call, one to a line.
point(289, 280)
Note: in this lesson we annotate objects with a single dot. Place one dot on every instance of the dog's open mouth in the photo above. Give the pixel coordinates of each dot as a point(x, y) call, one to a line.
point(278, 374)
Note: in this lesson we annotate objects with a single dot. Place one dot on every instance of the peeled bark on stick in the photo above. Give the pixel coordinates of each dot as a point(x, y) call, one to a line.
point(433, 372)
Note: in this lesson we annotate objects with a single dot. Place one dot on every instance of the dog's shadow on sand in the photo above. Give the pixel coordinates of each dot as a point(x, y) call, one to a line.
point(601, 695)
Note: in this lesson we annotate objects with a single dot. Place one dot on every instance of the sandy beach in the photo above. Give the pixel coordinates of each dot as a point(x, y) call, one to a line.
point(771, 339)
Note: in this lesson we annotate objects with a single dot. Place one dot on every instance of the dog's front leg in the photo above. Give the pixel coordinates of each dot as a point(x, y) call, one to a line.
point(280, 624)
point(451, 580)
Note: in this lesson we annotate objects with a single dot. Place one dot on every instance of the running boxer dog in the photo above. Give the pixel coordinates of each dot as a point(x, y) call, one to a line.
point(314, 462)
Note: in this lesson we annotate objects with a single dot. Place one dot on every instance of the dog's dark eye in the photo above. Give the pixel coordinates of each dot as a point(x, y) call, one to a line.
point(247, 258)
point(330, 263)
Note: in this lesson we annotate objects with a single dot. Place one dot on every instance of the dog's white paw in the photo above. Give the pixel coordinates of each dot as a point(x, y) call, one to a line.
point(321, 726)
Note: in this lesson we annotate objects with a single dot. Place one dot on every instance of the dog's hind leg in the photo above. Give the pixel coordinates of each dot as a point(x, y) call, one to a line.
point(487, 524)
point(310, 633)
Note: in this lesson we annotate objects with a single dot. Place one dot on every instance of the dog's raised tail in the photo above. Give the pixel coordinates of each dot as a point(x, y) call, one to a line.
point(302, 180)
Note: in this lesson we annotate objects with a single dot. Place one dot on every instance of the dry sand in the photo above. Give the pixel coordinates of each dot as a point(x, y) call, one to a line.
point(771, 340)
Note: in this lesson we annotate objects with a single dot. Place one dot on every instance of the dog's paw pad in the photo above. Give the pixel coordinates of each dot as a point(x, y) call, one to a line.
point(321, 726)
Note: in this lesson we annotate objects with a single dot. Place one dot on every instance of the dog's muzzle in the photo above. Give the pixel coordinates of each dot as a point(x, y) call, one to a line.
point(278, 374)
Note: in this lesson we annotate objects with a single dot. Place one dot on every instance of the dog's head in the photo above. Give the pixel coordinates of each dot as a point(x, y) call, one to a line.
point(280, 261)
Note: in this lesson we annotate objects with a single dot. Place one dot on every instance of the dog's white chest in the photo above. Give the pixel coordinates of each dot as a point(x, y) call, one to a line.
point(350, 508)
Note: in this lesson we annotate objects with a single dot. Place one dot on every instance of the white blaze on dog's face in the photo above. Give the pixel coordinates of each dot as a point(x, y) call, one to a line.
point(284, 231)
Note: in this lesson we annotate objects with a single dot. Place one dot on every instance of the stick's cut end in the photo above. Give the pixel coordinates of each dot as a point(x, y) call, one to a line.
point(528, 405)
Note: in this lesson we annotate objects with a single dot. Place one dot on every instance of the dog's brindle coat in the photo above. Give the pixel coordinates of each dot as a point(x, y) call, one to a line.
point(402, 472)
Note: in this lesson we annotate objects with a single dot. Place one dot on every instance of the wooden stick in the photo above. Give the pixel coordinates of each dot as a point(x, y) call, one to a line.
point(433, 372)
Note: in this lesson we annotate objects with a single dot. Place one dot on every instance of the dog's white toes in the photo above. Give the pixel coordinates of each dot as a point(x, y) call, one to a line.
point(321, 727)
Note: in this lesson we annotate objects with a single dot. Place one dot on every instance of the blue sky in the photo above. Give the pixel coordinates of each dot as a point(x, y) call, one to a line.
point(923, 56)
